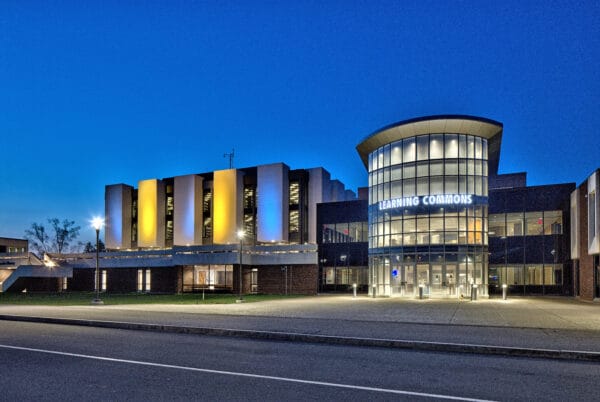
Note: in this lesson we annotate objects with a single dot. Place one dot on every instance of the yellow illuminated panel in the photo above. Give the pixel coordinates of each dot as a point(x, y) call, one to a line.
point(225, 206)
point(147, 213)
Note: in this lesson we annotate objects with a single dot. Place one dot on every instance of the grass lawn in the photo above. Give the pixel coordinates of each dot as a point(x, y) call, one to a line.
point(84, 298)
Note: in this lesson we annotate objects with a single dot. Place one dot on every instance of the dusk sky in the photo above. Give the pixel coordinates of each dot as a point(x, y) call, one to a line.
point(105, 92)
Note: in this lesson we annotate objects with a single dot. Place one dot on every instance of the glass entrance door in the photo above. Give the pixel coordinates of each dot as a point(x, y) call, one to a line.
point(423, 277)
point(451, 279)
point(409, 280)
point(436, 280)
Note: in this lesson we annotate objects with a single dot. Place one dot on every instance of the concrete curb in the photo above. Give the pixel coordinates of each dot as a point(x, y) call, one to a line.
point(323, 339)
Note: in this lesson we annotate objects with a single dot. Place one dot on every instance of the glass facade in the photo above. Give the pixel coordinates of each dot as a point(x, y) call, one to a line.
point(428, 215)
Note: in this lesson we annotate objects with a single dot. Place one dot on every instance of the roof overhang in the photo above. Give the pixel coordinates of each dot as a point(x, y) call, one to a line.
point(455, 124)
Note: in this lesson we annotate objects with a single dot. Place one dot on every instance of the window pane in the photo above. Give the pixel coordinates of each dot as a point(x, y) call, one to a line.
point(422, 169)
point(396, 173)
point(451, 167)
point(408, 150)
point(462, 146)
point(422, 186)
point(436, 168)
point(478, 151)
point(496, 225)
point(396, 189)
point(408, 189)
point(423, 147)
point(514, 224)
point(470, 146)
point(436, 146)
point(552, 222)
point(408, 171)
point(396, 153)
point(451, 185)
point(451, 146)
point(534, 223)
point(437, 185)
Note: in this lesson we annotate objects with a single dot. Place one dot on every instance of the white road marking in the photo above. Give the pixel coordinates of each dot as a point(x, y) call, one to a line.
point(232, 373)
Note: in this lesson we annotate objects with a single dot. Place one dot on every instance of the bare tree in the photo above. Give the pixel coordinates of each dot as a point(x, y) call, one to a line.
point(63, 234)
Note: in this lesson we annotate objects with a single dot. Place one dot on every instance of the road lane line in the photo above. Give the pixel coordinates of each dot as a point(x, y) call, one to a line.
point(248, 375)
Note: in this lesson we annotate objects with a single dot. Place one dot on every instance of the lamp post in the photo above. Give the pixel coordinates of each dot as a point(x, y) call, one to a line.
point(240, 235)
point(97, 224)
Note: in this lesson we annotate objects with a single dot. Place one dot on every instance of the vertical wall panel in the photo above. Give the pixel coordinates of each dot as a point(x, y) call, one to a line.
point(273, 202)
point(575, 224)
point(187, 220)
point(228, 189)
point(593, 195)
point(151, 213)
point(117, 230)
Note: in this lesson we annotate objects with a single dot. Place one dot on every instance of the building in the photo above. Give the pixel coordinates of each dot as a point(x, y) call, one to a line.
point(342, 237)
point(585, 237)
point(182, 234)
point(428, 204)
point(529, 237)
point(436, 220)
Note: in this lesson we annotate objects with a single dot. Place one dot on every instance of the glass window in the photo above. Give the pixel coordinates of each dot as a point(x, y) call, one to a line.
point(409, 225)
point(534, 223)
point(496, 224)
point(470, 146)
point(409, 171)
point(514, 275)
point(436, 224)
point(534, 275)
point(451, 146)
point(422, 186)
point(408, 150)
point(422, 169)
point(451, 185)
point(396, 155)
point(478, 151)
point(591, 217)
point(396, 226)
point(462, 146)
point(436, 146)
point(386, 155)
point(423, 147)
point(396, 173)
point(436, 168)
point(462, 167)
point(552, 222)
point(408, 189)
point(371, 162)
point(451, 167)
point(451, 223)
point(484, 146)
point(436, 185)
point(514, 224)
point(396, 189)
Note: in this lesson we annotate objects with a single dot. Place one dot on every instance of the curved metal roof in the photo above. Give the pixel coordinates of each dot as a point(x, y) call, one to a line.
point(456, 124)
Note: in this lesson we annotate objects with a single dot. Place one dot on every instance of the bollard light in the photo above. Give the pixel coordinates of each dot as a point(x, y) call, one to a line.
point(504, 291)
point(354, 289)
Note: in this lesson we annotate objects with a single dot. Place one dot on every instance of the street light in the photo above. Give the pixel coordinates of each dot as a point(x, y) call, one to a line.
point(240, 235)
point(97, 224)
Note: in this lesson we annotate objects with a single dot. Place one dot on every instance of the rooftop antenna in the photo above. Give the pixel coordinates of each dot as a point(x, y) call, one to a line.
point(230, 155)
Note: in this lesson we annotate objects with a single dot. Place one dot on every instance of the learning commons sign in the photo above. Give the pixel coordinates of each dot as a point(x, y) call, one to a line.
point(440, 199)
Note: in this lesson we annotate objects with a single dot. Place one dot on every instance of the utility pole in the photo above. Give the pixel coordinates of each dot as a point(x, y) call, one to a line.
point(230, 155)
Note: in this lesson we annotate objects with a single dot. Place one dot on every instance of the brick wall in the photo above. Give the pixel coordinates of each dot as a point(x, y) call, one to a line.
point(586, 261)
point(300, 279)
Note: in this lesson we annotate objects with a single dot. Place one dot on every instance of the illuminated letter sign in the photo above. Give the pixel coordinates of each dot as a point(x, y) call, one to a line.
point(429, 200)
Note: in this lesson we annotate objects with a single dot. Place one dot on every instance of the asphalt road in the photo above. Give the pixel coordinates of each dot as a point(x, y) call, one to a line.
point(58, 362)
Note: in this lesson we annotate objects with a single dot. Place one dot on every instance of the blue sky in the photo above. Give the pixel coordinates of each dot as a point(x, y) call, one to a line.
point(95, 93)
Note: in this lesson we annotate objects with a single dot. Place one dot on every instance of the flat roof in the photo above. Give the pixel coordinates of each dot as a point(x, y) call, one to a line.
point(437, 124)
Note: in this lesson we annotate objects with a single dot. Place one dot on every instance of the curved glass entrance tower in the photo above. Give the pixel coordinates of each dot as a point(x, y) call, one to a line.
point(428, 198)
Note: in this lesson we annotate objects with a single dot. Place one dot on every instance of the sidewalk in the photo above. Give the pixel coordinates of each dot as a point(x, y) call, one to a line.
point(514, 326)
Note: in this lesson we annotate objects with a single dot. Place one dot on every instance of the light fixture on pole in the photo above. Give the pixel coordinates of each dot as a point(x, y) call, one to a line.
point(97, 224)
point(240, 235)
